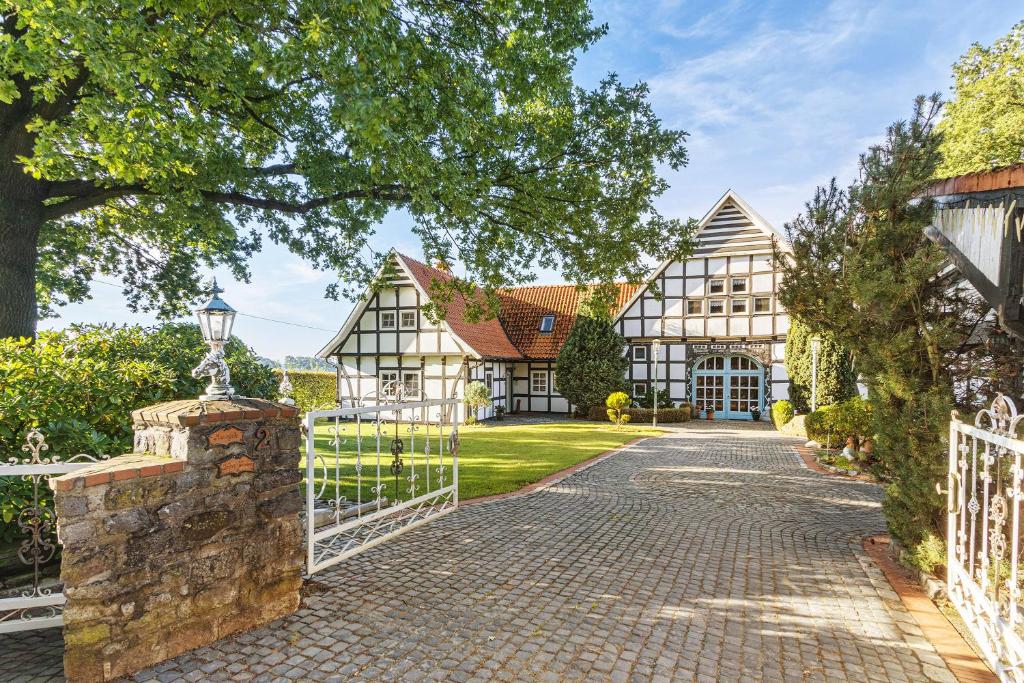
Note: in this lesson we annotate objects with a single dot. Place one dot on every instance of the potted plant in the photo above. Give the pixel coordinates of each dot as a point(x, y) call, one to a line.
point(499, 413)
point(710, 410)
point(755, 414)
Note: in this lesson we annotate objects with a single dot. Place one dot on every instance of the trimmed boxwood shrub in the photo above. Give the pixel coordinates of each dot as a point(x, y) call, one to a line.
point(782, 413)
point(666, 415)
point(312, 389)
point(832, 425)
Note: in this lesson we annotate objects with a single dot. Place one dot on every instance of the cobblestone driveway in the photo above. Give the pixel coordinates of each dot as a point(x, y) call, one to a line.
point(710, 554)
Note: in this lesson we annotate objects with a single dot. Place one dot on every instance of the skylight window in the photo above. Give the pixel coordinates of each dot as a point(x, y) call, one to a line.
point(547, 323)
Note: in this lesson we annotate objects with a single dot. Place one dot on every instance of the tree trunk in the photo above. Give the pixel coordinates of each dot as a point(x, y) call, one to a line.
point(20, 222)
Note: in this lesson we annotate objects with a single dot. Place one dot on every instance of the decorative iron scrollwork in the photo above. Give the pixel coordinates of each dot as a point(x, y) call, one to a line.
point(37, 524)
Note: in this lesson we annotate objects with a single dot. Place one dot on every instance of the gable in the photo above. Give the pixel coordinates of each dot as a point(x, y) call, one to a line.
point(485, 338)
point(730, 230)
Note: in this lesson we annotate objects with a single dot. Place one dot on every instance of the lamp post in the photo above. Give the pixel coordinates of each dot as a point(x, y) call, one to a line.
point(815, 347)
point(655, 348)
point(216, 319)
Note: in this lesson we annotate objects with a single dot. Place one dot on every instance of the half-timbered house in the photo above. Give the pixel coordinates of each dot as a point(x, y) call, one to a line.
point(715, 316)
point(720, 327)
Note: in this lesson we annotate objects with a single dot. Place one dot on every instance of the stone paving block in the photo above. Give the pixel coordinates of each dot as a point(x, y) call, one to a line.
point(706, 555)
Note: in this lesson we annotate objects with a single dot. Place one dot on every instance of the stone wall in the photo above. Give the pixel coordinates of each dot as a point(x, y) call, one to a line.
point(195, 536)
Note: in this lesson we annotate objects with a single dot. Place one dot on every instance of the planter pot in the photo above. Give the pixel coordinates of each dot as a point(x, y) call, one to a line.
point(755, 415)
point(711, 415)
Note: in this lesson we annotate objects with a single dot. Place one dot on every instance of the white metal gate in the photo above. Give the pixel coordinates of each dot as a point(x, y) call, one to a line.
point(33, 599)
point(378, 470)
point(984, 533)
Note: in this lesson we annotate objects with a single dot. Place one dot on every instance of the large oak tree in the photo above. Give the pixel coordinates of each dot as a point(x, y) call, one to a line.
point(150, 140)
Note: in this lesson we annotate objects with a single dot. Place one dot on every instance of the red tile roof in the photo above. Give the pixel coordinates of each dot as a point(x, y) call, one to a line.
point(523, 307)
point(486, 336)
point(516, 333)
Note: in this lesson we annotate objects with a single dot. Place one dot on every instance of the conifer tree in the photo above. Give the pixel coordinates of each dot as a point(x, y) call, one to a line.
point(836, 381)
point(863, 269)
point(592, 363)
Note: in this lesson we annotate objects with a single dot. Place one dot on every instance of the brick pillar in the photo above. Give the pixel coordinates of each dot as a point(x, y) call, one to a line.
point(193, 537)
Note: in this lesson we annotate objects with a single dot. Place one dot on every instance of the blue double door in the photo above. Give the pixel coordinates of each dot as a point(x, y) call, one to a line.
point(734, 385)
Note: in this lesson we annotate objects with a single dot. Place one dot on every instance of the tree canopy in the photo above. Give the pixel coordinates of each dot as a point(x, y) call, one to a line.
point(984, 122)
point(150, 139)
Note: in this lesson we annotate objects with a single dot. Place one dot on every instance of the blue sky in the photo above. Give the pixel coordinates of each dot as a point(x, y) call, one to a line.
point(777, 97)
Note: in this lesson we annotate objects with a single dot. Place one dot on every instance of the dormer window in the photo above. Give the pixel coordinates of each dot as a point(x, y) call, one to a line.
point(547, 323)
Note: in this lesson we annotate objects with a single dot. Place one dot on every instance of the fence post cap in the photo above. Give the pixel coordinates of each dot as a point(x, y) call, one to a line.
point(193, 412)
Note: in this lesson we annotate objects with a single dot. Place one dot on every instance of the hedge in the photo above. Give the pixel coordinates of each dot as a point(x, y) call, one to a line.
point(79, 386)
point(311, 389)
point(666, 415)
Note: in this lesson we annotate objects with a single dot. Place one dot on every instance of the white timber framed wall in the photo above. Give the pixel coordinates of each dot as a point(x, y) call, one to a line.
point(494, 375)
point(722, 300)
point(388, 338)
point(533, 388)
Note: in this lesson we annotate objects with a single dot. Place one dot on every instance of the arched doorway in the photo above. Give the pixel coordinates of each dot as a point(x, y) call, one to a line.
point(733, 384)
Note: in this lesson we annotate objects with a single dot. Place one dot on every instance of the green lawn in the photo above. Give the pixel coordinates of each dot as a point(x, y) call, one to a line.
point(492, 458)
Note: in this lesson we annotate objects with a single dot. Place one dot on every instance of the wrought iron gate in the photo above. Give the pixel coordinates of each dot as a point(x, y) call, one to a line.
point(380, 470)
point(32, 599)
point(984, 533)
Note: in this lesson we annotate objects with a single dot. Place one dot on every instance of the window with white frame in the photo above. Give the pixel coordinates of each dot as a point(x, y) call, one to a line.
point(411, 384)
point(716, 307)
point(639, 353)
point(739, 285)
point(639, 388)
point(716, 286)
point(762, 304)
point(539, 382)
point(695, 307)
point(489, 380)
point(739, 305)
point(408, 320)
point(388, 380)
point(387, 320)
